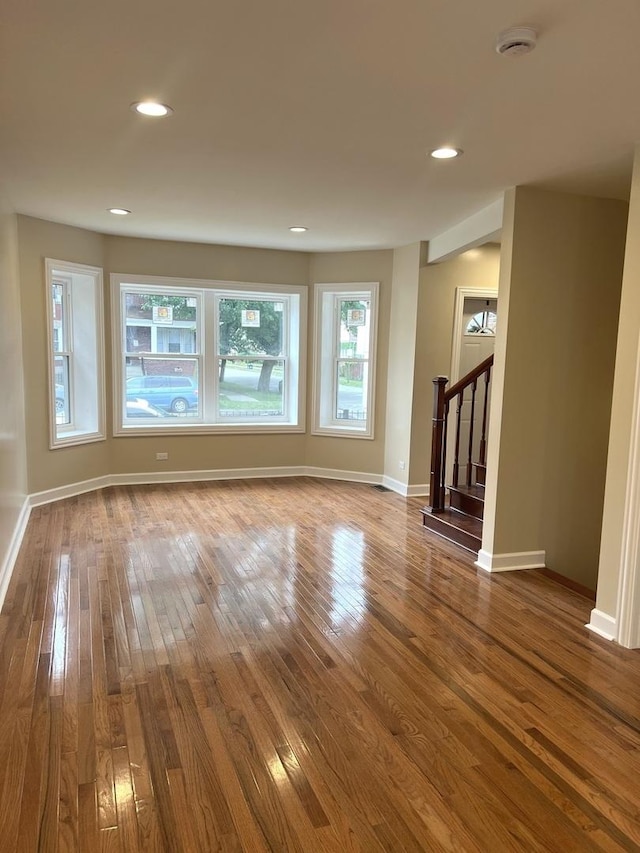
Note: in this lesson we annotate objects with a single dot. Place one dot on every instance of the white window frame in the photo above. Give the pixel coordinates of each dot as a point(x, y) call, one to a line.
point(327, 298)
point(210, 292)
point(83, 339)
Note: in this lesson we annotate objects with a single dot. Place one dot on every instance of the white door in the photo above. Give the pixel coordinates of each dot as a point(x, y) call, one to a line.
point(476, 329)
point(478, 332)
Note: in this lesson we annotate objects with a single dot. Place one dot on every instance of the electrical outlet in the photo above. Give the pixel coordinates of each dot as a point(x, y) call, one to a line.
point(162, 457)
point(401, 465)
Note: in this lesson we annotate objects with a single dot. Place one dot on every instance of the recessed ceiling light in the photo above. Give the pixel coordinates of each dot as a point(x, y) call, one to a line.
point(119, 211)
point(151, 108)
point(298, 229)
point(445, 153)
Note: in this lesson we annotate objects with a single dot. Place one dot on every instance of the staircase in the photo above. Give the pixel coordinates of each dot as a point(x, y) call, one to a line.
point(455, 511)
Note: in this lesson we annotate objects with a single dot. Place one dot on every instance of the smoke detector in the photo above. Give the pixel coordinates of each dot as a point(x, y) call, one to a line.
point(516, 41)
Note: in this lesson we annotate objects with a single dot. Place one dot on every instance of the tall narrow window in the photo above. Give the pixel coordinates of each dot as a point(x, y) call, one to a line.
point(346, 319)
point(76, 359)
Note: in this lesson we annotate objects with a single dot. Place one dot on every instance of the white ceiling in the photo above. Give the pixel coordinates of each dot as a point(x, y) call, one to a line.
point(312, 112)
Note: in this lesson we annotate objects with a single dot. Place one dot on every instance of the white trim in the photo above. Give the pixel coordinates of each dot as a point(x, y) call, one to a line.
point(418, 490)
point(463, 293)
point(208, 290)
point(324, 350)
point(603, 625)
point(481, 227)
point(200, 476)
point(510, 562)
point(628, 617)
point(142, 478)
point(395, 485)
point(77, 318)
point(69, 491)
point(209, 429)
point(8, 564)
point(337, 474)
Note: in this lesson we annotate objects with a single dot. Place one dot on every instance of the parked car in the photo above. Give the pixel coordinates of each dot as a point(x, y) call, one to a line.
point(175, 394)
point(143, 409)
point(59, 397)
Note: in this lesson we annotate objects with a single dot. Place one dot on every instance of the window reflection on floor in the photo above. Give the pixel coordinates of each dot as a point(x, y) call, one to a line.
point(347, 575)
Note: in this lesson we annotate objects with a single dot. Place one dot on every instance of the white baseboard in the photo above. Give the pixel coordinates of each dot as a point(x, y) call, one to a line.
point(418, 490)
point(337, 474)
point(69, 491)
point(141, 478)
point(603, 625)
point(6, 569)
point(203, 475)
point(394, 485)
point(510, 562)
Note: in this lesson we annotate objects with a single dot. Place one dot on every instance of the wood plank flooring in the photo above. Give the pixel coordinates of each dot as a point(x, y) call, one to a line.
point(297, 665)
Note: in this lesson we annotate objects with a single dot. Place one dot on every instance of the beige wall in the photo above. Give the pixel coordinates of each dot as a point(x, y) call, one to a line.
point(356, 454)
point(559, 296)
point(624, 391)
point(13, 478)
point(198, 260)
point(38, 240)
point(401, 361)
point(478, 268)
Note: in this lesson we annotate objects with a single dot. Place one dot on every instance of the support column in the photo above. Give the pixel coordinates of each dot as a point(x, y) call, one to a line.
point(616, 615)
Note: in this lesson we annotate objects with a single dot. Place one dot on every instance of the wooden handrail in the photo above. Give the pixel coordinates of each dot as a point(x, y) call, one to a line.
point(441, 400)
point(461, 384)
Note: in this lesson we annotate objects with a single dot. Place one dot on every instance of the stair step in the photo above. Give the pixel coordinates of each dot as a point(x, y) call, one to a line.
point(464, 530)
point(467, 499)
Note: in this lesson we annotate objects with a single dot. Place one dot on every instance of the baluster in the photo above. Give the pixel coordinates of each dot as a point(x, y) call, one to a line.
point(474, 388)
point(443, 470)
point(456, 458)
point(483, 439)
point(436, 490)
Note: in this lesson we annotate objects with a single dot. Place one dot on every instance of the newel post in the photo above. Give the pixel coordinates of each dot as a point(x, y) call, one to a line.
point(436, 488)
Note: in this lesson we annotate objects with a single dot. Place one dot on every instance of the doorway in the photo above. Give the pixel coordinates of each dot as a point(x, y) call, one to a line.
point(475, 317)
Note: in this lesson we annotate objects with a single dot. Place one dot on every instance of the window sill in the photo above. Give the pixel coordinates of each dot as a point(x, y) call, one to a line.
point(342, 432)
point(74, 437)
point(207, 429)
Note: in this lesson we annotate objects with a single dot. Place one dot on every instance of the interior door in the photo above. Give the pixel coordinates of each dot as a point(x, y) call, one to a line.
point(478, 332)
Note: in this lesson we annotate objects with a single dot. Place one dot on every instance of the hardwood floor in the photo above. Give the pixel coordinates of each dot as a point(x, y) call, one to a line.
point(297, 665)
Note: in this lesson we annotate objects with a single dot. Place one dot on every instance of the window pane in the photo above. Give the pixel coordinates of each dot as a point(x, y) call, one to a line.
point(62, 387)
point(355, 316)
point(157, 323)
point(57, 292)
point(251, 388)
point(168, 385)
point(351, 391)
point(482, 323)
point(250, 327)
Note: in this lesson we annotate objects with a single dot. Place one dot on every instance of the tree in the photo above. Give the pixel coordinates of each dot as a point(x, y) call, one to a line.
point(180, 304)
point(265, 339)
